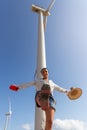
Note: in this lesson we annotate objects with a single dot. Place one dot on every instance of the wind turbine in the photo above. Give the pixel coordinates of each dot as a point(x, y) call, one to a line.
point(40, 118)
point(8, 116)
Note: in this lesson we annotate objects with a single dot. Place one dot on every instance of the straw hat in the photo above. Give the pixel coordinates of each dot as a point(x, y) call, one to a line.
point(74, 93)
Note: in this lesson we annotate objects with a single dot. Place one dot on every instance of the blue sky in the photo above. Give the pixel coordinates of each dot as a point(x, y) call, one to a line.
point(66, 54)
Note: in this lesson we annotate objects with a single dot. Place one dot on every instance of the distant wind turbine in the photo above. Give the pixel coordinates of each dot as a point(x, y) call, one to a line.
point(8, 116)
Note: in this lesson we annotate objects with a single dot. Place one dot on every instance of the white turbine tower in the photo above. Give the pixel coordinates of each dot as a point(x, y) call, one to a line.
point(40, 118)
point(8, 116)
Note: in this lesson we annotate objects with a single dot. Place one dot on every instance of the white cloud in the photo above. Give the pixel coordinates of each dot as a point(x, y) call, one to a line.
point(58, 124)
point(69, 124)
point(26, 126)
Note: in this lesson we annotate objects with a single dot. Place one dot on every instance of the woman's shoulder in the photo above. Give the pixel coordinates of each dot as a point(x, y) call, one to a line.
point(39, 80)
point(51, 81)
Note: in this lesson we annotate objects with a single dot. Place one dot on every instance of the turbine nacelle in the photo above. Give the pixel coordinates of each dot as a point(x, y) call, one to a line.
point(8, 113)
point(37, 9)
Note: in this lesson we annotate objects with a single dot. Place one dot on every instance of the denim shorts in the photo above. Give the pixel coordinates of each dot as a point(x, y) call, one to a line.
point(52, 102)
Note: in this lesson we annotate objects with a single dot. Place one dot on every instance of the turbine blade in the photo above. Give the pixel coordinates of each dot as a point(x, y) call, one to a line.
point(45, 22)
point(51, 4)
point(10, 111)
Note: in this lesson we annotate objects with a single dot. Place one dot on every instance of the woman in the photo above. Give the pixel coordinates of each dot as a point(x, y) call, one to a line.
point(39, 83)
